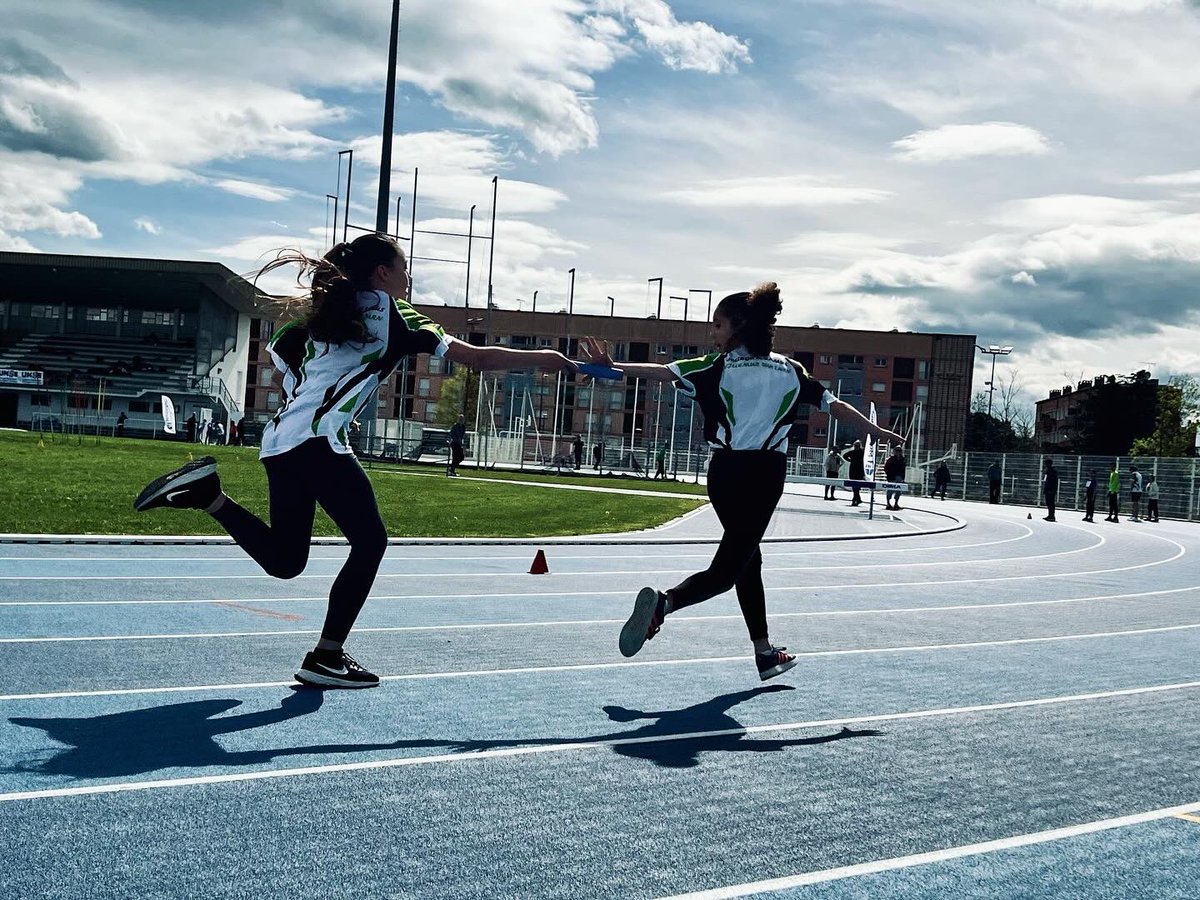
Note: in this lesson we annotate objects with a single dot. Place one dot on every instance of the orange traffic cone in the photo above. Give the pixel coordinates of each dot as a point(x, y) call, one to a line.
point(539, 566)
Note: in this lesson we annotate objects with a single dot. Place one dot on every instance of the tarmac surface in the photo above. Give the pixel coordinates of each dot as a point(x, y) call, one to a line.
point(987, 705)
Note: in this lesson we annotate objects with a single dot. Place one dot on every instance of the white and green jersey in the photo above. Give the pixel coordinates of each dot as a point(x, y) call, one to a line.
point(325, 385)
point(748, 402)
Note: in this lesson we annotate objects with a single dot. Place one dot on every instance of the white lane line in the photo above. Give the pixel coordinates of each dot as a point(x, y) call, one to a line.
point(118, 787)
point(395, 557)
point(936, 856)
point(580, 667)
point(907, 564)
point(559, 595)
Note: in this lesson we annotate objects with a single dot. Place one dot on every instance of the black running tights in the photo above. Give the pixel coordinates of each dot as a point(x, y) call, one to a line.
point(744, 487)
point(298, 480)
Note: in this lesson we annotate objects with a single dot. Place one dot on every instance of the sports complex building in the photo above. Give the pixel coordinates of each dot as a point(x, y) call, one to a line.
point(85, 338)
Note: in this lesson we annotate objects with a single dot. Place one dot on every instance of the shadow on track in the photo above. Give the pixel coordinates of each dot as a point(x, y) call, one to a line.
point(664, 746)
point(183, 736)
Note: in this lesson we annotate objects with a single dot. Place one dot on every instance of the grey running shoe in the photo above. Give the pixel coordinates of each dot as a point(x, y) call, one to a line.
point(194, 486)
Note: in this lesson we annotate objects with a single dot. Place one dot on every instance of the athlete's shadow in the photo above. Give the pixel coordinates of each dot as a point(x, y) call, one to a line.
point(178, 735)
point(184, 736)
point(662, 742)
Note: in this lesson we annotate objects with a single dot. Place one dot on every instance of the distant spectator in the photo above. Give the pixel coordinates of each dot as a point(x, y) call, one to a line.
point(191, 428)
point(894, 469)
point(1114, 494)
point(1050, 489)
point(855, 456)
point(216, 433)
point(121, 423)
point(660, 462)
point(1090, 496)
point(597, 456)
point(941, 479)
point(241, 430)
point(202, 432)
point(1151, 500)
point(1135, 493)
point(833, 465)
point(994, 477)
point(233, 433)
point(577, 447)
point(458, 435)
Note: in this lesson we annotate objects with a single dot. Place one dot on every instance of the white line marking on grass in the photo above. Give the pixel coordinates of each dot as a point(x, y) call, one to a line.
point(564, 747)
point(936, 856)
point(580, 667)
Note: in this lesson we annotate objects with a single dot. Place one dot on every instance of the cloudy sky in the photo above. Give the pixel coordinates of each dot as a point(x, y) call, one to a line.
point(1024, 170)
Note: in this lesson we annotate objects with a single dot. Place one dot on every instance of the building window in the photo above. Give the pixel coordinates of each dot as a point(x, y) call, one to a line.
point(660, 349)
point(423, 387)
point(45, 311)
point(819, 431)
point(902, 391)
point(850, 359)
point(826, 359)
point(266, 377)
point(157, 318)
point(273, 399)
point(804, 358)
point(881, 362)
point(922, 392)
point(878, 387)
point(923, 369)
point(903, 367)
point(435, 365)
point(100, 314)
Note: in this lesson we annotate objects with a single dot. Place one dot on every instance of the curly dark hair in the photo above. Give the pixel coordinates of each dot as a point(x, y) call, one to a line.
point(752, 315)
point(330, 308)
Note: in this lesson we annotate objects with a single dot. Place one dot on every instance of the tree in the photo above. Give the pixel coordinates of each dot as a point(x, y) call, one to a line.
point(450, 404)
point(1175, 425)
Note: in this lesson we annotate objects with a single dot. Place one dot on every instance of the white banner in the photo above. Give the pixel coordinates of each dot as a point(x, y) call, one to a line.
point(21, 376)
point(871, 446)
point(168, 414)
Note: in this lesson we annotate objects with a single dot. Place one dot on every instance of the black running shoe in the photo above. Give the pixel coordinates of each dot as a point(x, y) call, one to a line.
point(334, 668)
point(194, 486)
point(774, 662)
point(649, 611)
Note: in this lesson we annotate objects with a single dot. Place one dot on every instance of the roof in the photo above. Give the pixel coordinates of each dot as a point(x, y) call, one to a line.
point(122, 280)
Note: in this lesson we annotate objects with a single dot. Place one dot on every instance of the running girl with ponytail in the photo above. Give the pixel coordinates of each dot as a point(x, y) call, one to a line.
point(356, 329)
point(749, 397)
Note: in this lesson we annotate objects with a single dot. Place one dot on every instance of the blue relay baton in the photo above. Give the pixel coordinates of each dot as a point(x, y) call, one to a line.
point(595, 370)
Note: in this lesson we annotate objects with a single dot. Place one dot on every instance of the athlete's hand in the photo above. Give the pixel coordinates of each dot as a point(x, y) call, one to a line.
point(596, 351)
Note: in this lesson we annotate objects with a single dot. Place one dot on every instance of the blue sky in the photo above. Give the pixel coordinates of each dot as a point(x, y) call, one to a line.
point(1020, 169)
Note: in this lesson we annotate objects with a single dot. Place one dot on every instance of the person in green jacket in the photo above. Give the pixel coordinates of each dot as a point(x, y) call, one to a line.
point(1114, 494)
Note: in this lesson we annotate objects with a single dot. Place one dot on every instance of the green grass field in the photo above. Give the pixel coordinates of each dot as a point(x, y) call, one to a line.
point(72, 486)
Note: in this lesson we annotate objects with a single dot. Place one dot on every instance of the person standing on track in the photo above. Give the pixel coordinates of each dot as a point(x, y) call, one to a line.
point(1114, 495)
point(1050, 489)
point(749, 398)
point(354, 331)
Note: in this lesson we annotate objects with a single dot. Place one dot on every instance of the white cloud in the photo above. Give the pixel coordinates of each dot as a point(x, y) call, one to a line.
point(33, 190)
point(952, 142)
point(681, 45)
point(1024, 277)
point(840, 245)
point(254, 190)
point(1058, 210)
point(1174, 179)
point(147, 225)
point(773, 191)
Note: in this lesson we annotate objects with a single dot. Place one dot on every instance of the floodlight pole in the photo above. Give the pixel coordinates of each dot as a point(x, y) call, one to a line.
point(995, 351)
point(389, 109)
point(658, 308)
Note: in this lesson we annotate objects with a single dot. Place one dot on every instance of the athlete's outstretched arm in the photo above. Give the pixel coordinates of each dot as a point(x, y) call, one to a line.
point(486, 359)
point(847, 414)
point(597, 351)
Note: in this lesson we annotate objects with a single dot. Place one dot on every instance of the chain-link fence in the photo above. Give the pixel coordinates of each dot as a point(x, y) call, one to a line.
point(1021, 480)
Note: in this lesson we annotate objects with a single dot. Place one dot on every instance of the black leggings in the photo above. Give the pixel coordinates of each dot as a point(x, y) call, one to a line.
point(744, 487)
point(298, 480)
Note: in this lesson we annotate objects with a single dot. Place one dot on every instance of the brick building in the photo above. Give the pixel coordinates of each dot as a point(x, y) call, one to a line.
point(896, 370)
